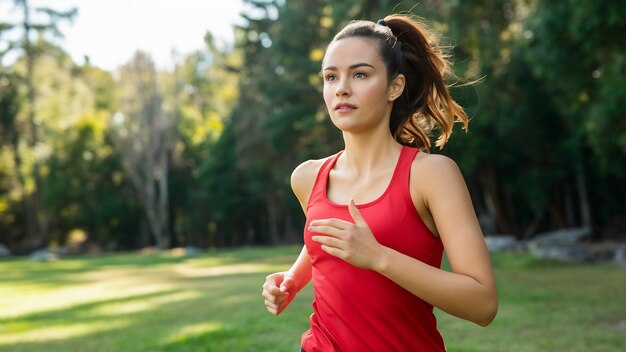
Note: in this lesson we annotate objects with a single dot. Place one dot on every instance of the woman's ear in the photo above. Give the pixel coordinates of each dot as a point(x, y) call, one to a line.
point(396, 87)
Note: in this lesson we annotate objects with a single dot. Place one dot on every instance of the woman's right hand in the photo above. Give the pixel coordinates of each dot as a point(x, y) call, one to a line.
point(278, 290)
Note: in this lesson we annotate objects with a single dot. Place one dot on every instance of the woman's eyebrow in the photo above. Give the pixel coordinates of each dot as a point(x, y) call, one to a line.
point(352, 67)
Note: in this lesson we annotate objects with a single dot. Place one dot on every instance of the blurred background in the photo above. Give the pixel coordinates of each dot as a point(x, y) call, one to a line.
point(160, 136)
point(194, 147)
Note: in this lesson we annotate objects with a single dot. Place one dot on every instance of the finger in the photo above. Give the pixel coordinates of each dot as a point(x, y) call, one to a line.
point(275, 302)
point(287, 283)
point(272, 310)
point(272, 289)
point(269, 297)
point(274, 278)
point(336, 223)
point(355, 213)
point(334, 251)
point(327, 230)
point(277, 307)
point(270, 304)
point(328, 241)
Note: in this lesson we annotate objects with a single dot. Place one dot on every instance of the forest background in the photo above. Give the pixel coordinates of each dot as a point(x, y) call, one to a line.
point(200, 155)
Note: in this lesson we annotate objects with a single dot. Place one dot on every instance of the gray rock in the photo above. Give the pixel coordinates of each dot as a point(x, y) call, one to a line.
point(563, 236)
point(502, 243)
point(568, 252)
point(563, 245)
point(4, 251)
point(619, 255)
point(43, 255)
point(193, 250)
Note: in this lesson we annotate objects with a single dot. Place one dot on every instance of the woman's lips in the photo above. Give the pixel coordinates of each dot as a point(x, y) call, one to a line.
point(342, 107)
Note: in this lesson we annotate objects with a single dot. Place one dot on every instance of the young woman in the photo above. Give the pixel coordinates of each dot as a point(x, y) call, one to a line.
point(380, 213)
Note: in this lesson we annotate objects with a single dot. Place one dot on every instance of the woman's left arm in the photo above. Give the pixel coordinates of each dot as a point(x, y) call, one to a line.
point(469, 291)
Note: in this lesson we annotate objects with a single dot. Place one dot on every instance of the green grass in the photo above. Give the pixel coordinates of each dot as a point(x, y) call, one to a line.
point(212, 302)
point(548, 306)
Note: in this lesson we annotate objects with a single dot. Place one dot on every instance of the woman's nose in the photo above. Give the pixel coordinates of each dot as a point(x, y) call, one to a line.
point(342, 88)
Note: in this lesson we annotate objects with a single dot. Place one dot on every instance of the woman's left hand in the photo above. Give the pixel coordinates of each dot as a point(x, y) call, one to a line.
point(352, 242)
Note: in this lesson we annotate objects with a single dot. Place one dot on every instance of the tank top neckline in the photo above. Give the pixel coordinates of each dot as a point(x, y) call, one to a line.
point(395, 175)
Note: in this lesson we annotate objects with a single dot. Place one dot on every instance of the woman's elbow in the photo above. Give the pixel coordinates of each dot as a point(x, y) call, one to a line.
point(488, 313)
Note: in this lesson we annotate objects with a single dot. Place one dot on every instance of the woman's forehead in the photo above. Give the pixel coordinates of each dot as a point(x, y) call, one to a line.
point(345, 52)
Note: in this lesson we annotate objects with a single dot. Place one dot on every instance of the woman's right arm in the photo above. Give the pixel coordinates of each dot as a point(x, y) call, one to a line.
point(281, 288)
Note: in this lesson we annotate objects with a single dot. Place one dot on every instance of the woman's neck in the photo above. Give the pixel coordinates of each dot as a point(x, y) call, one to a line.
point(366, 153)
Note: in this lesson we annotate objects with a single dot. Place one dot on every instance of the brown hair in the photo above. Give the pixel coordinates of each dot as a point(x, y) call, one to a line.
point(408, 47)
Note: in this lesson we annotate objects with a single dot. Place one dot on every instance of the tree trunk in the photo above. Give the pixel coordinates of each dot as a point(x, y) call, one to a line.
point(581, 183)
point(532, 227)
point(557, 216)
point(272, 214)
point(154, 223)
point(250, 234)
point(492, 200)
point(35, 208)
point(144, 143)
point(163, 201)
point(569, 206)
point(289, 233)
point(29, 214)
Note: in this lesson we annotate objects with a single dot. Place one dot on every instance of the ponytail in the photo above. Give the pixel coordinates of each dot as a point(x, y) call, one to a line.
point(409, 48)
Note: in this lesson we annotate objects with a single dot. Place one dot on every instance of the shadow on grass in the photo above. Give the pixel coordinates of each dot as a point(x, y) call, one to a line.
point(543, 307)
point(243, 337)
point(23, 271)
point(203, 313)
point(65, 269)
point(82, 313)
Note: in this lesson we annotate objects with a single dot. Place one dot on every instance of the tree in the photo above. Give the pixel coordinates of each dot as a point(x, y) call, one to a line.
point(143, 132)
point(86, 189)
point(575, 48)
point(544, 141)
point(36, 219)
point(9, 110)
point(201, 170)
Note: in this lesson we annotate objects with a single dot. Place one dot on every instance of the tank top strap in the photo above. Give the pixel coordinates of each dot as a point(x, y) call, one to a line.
point(403, 169)
point(328, 165)
point(321, 181)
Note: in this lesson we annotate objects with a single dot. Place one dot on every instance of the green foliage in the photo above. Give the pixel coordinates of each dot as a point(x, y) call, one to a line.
point(9, 107)
point(233, 206)
point(576, 50)
point(86, 188)
point(545, 147)
point(201, 172)
point(535, 132)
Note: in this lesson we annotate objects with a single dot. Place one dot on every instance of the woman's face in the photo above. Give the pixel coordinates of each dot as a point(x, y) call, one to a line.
point(356, 91)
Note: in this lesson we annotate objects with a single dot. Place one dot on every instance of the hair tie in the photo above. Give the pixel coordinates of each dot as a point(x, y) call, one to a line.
point(382, 22)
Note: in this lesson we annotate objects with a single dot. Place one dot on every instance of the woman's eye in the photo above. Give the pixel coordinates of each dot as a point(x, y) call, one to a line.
point(359, 75)
point(330, 78)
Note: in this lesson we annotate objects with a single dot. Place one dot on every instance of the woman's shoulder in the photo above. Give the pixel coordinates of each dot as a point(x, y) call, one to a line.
point(434, 169)
point(308, 169)
point(434, 177)
point(304, 175)
point(433, 163)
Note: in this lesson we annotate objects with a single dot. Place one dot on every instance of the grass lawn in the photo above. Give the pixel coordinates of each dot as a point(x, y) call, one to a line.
point(212, 302)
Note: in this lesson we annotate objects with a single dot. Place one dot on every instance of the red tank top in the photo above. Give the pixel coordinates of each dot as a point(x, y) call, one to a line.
point(360, 310)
